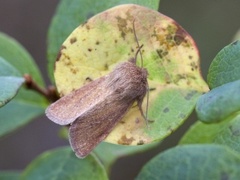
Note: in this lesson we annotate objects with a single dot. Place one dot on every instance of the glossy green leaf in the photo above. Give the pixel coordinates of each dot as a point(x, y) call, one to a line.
point(6, 69)
point(27, 104)
point(16, 114)
point(18, 57)
point(225, 133)
point(230, 134)
point(71, 14)
point(202, 133)
point(9, 175)
point(198, 162)
point(108, 153)
point(9, 82)
point(225, 67)
point(8, 88)
point(62, 164)
point(219, 103)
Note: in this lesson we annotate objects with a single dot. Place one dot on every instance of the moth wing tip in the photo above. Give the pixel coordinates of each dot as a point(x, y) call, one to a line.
point(81, 155)
point(51, 115)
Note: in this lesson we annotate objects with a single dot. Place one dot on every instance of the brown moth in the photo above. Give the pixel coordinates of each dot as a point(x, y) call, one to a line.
point(93, 110)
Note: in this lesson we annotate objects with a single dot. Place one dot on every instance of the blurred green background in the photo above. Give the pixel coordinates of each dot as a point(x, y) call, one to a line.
point(212, 24)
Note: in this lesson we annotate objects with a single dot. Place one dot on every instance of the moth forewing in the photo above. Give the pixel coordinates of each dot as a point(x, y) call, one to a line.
point(69, 107)
point(88, 131)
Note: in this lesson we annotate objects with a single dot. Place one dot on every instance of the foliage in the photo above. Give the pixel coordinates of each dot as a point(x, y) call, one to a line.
point(172, 61)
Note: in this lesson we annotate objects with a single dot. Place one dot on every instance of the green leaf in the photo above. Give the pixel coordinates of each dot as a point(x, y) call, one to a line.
point(9, 175)
point(201, 133)
point(173, 73)
point(9, 88)
point(62, 164)
point(6, 69)
point(108, 153)
point(9, 83)
point(18, 57)
point(72, 13)
point(230, 134)
point(225, 133)
point(219, 103)
point(198, 162)
point(27, 104)
point(225, 67)
point(16, 114)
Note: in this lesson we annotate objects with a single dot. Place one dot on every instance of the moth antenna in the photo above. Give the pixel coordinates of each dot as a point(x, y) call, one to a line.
point(139, 47)
point(139, 51)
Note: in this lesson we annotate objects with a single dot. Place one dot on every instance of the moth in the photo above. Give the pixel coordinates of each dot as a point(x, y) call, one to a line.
point(93, 110)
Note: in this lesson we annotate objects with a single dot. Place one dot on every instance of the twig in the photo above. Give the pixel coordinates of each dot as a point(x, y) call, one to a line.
point(50, 92)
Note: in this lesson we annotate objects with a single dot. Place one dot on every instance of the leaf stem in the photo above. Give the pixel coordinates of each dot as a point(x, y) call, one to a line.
point(50, 92)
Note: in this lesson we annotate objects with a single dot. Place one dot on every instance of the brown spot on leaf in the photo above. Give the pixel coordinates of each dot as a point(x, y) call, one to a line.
point(178, 39)
point(150, 121)
point(161, 53)
point(122, 24)
point(152, 89)
point(141, 142)
point(122, 122)
point(125, 141)
point(73, 40)
point(165, 110)
point(181, 116)
point(74, 70)
point(106, 66)
point(88, 79)
point(66, 60)
point(60, 52)
point(165, 40)
point(97, 42)
point(180, 34)
point(190, 95)
point(169, 38)
point(194, 66)
point(89, 49)
point(179, 77)
point(87, 27)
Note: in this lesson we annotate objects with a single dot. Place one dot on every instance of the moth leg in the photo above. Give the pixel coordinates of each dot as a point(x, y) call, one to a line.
point(139, 103)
